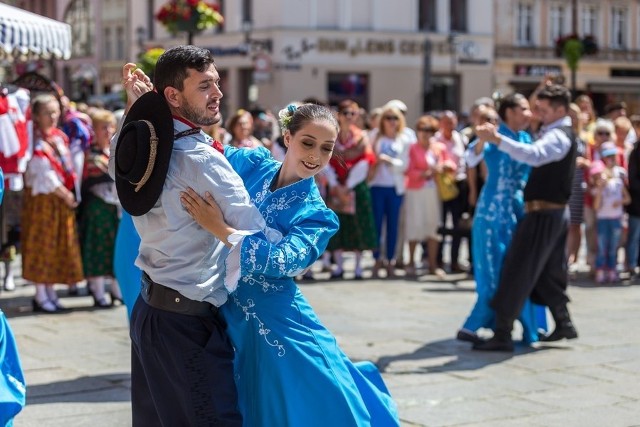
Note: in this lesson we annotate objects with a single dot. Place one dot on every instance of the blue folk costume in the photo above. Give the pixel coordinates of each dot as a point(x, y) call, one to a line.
point(125, 253)
point(500, 207)
point(289, 368)
point(12, 384)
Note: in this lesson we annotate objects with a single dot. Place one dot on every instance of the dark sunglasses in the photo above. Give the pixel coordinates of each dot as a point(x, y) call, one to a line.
point(391, 118)
point(348, 113)
point(431, 130)
point(603, 132)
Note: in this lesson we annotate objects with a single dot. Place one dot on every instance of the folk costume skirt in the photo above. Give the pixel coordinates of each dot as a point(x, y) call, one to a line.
point(356, 232)
point(50, 246)
point(98, 229)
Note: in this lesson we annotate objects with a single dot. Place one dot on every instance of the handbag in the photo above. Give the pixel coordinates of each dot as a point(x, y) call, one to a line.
point(447, 187)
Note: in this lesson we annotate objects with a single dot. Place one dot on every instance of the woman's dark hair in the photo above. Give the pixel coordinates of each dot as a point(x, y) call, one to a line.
point(171, 68)
point(512, 100)
point(295, 117)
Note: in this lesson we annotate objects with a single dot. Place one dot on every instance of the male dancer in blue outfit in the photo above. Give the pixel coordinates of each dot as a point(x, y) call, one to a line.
point(535, 264)
point(182, 360)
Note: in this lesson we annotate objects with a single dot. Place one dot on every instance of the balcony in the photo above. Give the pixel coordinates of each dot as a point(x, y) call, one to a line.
point(548, 52)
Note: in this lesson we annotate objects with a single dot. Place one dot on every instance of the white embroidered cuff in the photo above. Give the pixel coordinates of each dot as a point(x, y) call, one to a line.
point(232, 263)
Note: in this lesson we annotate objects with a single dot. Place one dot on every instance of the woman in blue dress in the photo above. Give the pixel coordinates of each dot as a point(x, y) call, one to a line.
point(124, 258)
point(13, 390)
point(500, 207)
point(289, 368)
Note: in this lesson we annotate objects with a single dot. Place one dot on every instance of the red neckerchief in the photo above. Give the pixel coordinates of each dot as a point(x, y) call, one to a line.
point(218, 146)
point(49, 150)
point(186, 122)
point(215, 144)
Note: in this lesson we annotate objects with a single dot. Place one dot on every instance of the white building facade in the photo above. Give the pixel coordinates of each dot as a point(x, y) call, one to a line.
point(525, 44)
point(431, 54)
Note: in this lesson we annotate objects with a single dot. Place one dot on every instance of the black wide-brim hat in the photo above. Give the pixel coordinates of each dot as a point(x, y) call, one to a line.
point(143, 152)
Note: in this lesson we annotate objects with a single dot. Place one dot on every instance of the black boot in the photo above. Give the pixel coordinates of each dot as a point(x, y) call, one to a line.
point(501, 340)
point(564, 325)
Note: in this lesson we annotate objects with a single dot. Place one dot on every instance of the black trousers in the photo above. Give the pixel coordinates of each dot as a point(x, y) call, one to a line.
point(456, 208)
point(535, 264)
point(181, 370)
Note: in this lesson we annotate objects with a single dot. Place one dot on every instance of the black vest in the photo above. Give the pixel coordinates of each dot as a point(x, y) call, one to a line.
point(552, 182)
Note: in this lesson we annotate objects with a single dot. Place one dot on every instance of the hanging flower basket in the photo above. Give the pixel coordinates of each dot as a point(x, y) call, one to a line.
point(571, 42)
point(190, 16)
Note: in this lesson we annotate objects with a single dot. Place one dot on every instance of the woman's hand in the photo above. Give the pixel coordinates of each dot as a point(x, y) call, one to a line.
point(206, 213)
point(67, 196)
point(135, 82)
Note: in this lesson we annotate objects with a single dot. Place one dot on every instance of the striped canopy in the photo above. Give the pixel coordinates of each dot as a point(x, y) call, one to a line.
point(26, 34)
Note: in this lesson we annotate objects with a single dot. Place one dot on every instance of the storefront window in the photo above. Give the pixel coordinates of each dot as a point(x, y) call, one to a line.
point(444, 95)
point(353, 86)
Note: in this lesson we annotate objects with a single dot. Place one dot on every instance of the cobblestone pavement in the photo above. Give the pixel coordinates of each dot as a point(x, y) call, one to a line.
point(77, 364)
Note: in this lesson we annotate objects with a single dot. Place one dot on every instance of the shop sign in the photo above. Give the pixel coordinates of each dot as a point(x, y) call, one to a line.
point(527, 70)
point(378, 46)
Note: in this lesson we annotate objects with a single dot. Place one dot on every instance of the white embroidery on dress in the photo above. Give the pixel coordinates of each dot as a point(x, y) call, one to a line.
point(261, 195)
point(262, 329)
point(285, 259)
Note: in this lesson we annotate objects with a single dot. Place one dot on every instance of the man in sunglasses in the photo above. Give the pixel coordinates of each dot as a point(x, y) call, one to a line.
point(535, 263)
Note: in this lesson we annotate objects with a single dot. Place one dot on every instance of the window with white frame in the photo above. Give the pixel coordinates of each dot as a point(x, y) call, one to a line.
point(557, 17)
point(120, 43)
point(524, 24)
point(618, 27)
point(589, 20)
point(107, 53)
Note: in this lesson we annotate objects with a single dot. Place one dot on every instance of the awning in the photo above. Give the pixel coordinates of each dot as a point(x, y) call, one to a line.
point(24, 33)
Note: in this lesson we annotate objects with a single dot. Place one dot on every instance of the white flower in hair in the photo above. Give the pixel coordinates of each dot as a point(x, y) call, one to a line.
point(286, 114)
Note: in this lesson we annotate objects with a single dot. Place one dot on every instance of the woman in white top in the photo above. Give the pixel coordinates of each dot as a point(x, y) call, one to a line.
point(387, 183)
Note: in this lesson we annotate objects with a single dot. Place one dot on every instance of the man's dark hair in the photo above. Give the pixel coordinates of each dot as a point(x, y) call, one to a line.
point(171, 68)
point(557, 95)
point(512, 100)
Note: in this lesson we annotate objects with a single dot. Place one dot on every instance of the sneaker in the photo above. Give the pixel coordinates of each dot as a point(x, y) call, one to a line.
point(600, 276)
point(613, 276)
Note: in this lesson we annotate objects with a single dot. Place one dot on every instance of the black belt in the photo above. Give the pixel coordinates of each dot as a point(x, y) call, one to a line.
point(164, 298)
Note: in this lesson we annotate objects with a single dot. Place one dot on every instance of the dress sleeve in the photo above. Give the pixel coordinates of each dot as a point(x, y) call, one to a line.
point(243, 160)
point(296, 251)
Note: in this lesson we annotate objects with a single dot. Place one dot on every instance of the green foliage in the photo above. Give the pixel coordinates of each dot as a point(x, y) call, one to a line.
point(147, 60)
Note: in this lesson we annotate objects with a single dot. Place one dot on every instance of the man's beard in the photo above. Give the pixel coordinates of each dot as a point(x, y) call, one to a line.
point(199, 118)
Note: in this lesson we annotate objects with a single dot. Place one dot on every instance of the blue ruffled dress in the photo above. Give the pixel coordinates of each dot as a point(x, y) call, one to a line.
point(289, 368)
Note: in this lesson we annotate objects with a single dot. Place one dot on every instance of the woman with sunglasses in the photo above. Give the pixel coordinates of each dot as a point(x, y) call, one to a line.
point(500, 207)
point(422, 209)
point(351, 164)
point(387, 184)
